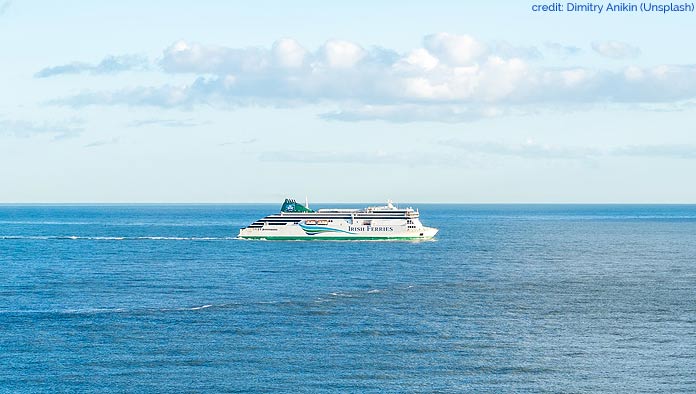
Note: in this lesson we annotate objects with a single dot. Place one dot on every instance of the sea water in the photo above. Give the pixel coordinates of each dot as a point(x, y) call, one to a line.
point(508, 298)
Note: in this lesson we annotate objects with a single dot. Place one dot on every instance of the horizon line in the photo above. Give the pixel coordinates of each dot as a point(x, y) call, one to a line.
point(338, 202)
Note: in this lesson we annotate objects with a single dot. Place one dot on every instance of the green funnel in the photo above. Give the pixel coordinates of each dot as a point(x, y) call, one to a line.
point(293, 206)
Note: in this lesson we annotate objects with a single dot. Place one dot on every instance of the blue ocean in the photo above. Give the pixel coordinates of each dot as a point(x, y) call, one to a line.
point(507, 299)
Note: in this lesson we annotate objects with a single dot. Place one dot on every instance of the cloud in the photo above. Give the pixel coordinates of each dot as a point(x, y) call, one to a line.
point(341, 54)
point(247, 141)
point(23, 128)
point(185, 57)
point(467, 153)
point(450, 78)
point(562, 51)
point(98, 143)
point(497, 82)
point(414, 112)
point(166, 123)
point(455, 50)
point(668, 151)
point(108, 65)
point(533, 150)
point(4, 5)
point(507, 50)
point(615, 49)
point(289, 53)
point(159, 96)
point(378, 157)
point(529, 149)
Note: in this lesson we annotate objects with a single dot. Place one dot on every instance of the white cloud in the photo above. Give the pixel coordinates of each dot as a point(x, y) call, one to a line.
point(377, 157)
point(575, 77)
point(289, 53)
point(57, 130)
point(528, 149)
point(500, 78)
point(418, 59)
point(160, 96)
point(246, 141)
point(95, 144)
point(176, 123)
point(507, 50)
point(615, 49)
point(448, 113)
point(455, 50)
point(535, 150)
point(633, 73)
point(285, 55)
point(342, 54)
point(192, 57)
point(455, 78)
point(468, 152)
point(4, 6)
point(108, 65)
point(562, 51)
point(668, 151)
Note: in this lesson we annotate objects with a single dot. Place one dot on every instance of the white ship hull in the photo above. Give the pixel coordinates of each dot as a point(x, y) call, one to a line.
point(296, 222)
point(298, 232)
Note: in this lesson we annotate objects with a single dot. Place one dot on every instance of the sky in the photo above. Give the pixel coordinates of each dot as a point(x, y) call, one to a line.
point(414, 101)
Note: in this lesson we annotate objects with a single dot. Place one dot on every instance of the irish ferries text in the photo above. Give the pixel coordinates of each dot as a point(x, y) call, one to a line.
point(369, 228)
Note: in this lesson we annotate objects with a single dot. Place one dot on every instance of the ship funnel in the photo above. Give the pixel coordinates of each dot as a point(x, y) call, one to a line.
point(293, 206)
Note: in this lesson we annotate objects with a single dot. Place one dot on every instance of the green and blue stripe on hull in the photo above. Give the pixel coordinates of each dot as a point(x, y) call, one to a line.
point(314, 230)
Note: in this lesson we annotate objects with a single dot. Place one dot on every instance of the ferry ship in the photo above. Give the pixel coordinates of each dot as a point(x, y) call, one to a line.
point(297, 222)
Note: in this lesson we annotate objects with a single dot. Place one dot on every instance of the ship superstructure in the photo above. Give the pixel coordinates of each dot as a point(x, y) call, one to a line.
point(297, 221)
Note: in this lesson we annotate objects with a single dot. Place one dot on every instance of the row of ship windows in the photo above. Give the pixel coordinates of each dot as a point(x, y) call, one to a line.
point(333, 217)
point(297, 219)
point(283, 222)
